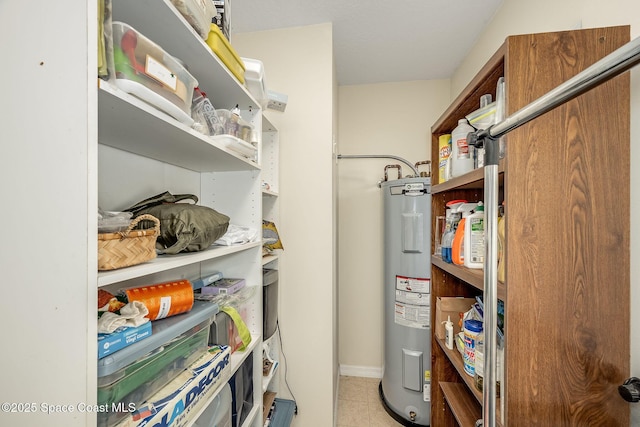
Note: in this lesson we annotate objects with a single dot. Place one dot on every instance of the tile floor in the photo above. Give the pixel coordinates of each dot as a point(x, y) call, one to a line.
point(359, 404)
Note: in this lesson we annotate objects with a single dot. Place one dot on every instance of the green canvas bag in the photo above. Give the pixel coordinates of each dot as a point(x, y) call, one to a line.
point(184, 227)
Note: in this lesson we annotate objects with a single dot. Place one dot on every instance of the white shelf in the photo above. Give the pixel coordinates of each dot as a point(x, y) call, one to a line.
point(267, 380)
point(132, 125)
point(269, 258)
point(168, 262)
point(257, 409)
point(238, 357)
point(202, 165)
point(269, 193)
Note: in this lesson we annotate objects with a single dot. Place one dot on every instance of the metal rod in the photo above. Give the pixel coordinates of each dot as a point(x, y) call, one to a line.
point(603, 70)
point(379, 156)
point(490, 299)
point(617, 62)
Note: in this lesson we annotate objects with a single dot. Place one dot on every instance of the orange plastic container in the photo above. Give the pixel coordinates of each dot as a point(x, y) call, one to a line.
point(164, 299)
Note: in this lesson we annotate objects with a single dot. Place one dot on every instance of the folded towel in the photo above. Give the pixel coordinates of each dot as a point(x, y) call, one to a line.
point(132, 314)
point(237, 235)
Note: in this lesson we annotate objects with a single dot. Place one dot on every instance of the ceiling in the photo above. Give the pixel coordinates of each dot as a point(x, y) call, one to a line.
point(376, 41)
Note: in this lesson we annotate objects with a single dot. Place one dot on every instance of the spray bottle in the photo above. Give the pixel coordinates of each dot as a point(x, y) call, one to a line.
point(453, 217)
point(474, 238)
point(457, 246)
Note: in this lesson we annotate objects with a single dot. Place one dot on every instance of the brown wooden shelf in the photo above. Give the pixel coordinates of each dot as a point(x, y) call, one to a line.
point(557, 259)
point(455, 358)
point(473, 180)
point(474, 277)
point(465, 409)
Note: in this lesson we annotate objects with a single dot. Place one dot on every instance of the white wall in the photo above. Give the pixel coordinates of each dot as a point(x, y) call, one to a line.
point(48, 176)
point(520, 16)
point(299, 62)
point(390, 119)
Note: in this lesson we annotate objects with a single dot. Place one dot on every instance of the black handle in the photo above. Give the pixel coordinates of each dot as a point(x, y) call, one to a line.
point(630, 390)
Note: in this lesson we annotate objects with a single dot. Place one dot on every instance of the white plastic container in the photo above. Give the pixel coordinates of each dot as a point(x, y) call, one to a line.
point(474, 239)
point(198, 13)
point(254, 80)
point(472, 330)
point(448, 333)
point(461, 153)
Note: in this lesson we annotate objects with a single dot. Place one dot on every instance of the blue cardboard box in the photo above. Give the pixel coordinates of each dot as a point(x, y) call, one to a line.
point(121, 338)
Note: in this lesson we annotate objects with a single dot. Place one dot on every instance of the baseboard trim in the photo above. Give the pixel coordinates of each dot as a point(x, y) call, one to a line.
point(361, 371)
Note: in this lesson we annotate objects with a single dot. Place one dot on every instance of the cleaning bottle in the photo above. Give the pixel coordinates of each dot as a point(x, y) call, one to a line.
point(453, 217)
point(444, 160)
point(461, 153)
point(443, 241)
point(474, 238)
point(448, 333)
point(457, 246)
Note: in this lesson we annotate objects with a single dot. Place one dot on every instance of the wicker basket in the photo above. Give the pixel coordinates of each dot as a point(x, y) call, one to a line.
point(129, 247)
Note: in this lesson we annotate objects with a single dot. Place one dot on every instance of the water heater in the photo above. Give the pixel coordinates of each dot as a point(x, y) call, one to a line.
point(405, 388)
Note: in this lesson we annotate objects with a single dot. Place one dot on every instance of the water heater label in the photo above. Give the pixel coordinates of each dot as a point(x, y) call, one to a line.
point(413, 284)
point(412, 303)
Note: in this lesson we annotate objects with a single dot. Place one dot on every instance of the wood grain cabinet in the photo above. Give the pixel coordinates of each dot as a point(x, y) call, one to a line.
point(565, 184)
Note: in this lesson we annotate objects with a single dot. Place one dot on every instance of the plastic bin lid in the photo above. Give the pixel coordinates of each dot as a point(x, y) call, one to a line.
point(163, 331)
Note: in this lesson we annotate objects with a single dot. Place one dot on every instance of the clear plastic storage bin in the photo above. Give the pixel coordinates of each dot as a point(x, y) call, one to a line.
point(132, 375)
point(145, 70)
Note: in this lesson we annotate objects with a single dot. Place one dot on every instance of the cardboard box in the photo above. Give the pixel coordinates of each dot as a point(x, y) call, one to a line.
point(176, 404)
point(450, 306)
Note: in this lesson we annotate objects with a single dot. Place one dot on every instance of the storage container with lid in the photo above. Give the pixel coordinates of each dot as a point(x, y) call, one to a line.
point(145, 70)
point(135, 373)
point(255, 80)
point(223, 49)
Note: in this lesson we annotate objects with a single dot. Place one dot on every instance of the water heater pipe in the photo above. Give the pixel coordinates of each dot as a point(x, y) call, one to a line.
point(379, 156)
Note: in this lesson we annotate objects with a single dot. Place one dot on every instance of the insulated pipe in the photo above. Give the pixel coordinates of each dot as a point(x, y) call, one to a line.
point(617, 62)
point(379, 156)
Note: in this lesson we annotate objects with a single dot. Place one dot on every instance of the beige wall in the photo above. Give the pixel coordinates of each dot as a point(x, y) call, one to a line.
point(390, 119)
point(520, 16)
point(299, 62)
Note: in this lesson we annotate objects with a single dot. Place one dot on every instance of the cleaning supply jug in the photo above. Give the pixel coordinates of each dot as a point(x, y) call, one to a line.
point(457, 246)
point(461, 153)
point(474, 239)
